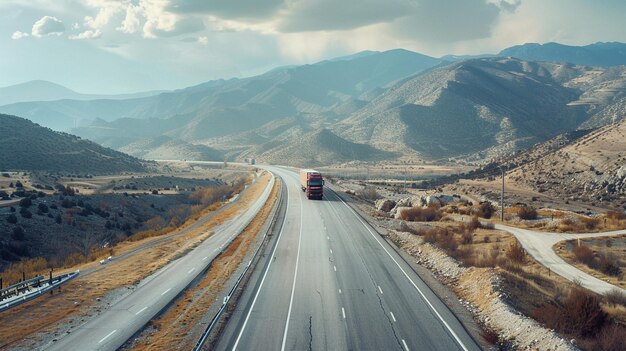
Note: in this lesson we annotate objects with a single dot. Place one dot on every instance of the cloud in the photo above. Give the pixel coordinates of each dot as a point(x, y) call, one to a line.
point(171, 25)
point(88, 34)
point(435, 21)
point(132, 20)
point(107, 10)
point(323, 15)
point(17, 35)
point(230, 9)
point(47, 26)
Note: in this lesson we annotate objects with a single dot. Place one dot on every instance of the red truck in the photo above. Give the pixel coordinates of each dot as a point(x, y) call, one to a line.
point(312, 183)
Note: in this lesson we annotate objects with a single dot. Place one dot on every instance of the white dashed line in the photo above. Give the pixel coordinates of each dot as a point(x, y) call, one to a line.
point(343, 312)
point(331, 251)
point(392, 316)
point(141, 310)
point(106, 337)
point(405, 345)
point(340, 291)
point(381, 290)
point(335, 267)
point(191, 270)
point(204, 259)
point(166, 291)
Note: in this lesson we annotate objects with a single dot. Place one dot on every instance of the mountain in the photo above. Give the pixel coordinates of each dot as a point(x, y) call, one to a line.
point(211, 107)
point(41, 90)
point(598, 54)
point(30, 147)
point(469, 107)
point(166, 148)
point(590, 168)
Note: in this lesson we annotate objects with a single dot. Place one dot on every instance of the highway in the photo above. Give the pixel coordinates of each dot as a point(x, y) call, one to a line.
point(111, 329)
point(331, 283)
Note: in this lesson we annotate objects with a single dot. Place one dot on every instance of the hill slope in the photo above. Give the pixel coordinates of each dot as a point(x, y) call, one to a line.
point(598, 54)
point(28, 146)
point(166, 148)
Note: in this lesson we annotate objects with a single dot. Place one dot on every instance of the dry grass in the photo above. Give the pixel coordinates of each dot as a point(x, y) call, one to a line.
point(79, 297)
point(174, 329)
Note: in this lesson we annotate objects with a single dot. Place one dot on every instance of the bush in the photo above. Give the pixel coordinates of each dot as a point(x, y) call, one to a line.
point(420, 214)
point(583, 254)
point(609, 264)
point(26, 202)
point(12, 218)
point(25, 213)
point(43, 207)
point(611, 338)
point(616, 297)
point(590, 223)
point(486, 210)
point(18, 233)
point(527, 212)
point(516, 253)
point(58, 219)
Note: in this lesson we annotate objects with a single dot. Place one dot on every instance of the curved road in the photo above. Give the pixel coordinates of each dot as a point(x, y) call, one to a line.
point(540, 246)
point(331, 283)
point(111, 329)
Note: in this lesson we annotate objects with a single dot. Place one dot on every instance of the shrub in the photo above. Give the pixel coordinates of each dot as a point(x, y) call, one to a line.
point(12, 218)
point(43, 207)
point(18, 233)
point(611, 338)
point(583, 254)
point(420, 214)
point(527, 212)
point(609, 264)
point(26, 202)
point(590, 223)
point(616, 297)
point(486, 210)
point(58, 219)
point(25, 213)
point(516, 253)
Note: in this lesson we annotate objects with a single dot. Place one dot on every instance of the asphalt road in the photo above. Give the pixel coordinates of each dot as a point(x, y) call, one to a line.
point(113, 327)
point(331, 283)
point(540, 246)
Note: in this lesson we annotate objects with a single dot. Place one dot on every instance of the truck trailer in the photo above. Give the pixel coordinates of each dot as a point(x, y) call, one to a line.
point(312, 183)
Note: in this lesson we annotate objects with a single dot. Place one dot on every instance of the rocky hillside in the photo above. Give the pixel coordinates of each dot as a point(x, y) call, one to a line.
point(591, 169)
point(166, 148)
point(598, 54)
point(28, 146)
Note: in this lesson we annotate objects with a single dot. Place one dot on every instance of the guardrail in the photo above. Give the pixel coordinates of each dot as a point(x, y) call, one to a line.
point(29, 289)
point(219, 313)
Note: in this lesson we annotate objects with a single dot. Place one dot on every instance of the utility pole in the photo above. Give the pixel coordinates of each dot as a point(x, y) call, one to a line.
point(502, 197)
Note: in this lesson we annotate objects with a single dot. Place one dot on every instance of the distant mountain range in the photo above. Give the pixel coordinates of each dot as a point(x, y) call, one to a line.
point(369, 106)
point(27, 146)
point(41, 90)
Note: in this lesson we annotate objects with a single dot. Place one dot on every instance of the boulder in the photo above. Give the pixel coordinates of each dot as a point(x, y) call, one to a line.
point(384, 205)
point(405, 202)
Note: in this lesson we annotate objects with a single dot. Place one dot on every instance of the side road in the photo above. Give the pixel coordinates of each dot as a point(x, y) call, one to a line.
point(539, 246)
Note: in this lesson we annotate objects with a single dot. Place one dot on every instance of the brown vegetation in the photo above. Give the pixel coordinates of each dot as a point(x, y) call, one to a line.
point(526, 212)
point(420, 214)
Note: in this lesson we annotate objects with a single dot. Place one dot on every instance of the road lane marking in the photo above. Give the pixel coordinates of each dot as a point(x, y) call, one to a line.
point(295, 276)
point(454, 335)
point(204, 259)
point(335, 267)
point(280, 235)
point(392, 316)
point(108, 335)
point(343, 312)
point(166, 291)
point(340, 291)
point(405, 346)
point(191, 270)
point(381, 290)
point(327, 237)
point(331, 251)
point(141, 310)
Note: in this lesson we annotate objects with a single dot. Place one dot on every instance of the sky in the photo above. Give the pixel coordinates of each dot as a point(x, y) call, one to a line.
point(124, 46)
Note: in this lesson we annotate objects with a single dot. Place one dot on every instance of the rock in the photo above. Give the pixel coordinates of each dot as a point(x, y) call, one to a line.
point(385, 205)
point(405, 202)
point(401, 226)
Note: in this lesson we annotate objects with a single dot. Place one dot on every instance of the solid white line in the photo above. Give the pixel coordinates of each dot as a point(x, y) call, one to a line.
point(343, 312)
point(456, 337)
point(295, 276)
point(405, 346)
point(141, 310)
point(335, 267)
point(392, 316)
point(191, 270)
point(106, 337)
point(166, 291)
point(280, 235)
point(381, 290)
